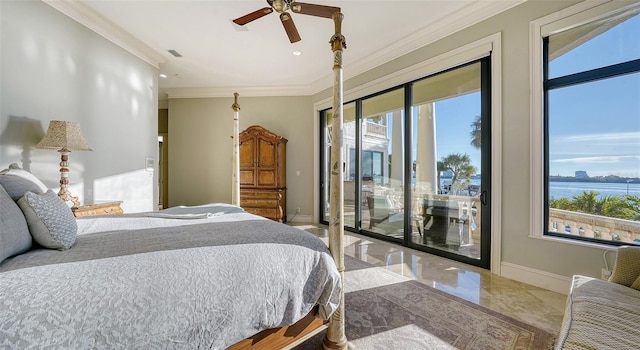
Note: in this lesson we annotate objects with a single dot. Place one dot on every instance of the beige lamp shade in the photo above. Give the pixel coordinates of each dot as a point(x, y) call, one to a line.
point(63, 134)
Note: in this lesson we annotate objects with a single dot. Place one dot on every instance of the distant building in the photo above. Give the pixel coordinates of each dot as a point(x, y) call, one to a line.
point(581, 174)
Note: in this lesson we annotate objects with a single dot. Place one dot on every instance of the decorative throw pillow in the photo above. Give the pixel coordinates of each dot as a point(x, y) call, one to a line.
point(636, 284)
point(14, 233)
point(626, 269)
point(50, 220)
point(17, 181)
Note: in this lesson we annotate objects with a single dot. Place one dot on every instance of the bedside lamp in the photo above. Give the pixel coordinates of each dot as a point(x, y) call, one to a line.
point(64, 137)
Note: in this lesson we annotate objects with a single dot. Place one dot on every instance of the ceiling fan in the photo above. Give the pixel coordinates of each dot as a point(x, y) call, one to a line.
point(281, 7)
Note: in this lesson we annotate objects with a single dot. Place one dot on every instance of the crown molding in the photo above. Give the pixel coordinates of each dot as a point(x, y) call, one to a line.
point(472, 14)
point(90, 19)
point(246, 91)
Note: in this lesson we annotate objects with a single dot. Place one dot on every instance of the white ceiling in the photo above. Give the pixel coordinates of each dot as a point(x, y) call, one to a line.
point(220, 57)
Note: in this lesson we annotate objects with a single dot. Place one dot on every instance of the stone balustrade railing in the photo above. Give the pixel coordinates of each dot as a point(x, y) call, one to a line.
point(593, 226)
point(373, 129)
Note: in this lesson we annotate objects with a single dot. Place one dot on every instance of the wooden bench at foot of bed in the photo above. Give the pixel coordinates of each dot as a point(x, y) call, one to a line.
point(284, 337)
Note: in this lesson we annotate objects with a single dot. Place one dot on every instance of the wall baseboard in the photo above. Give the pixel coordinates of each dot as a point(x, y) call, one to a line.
point(538, 278)
point(299, 218)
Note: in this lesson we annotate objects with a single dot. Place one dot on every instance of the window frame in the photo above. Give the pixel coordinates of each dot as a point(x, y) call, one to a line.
point(440, 62)
point(539, 31)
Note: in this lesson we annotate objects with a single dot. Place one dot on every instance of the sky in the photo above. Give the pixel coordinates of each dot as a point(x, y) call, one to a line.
point(453, 126)
point(594, 127)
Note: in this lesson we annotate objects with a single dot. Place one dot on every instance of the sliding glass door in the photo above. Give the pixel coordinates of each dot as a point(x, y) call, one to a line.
point(350, 191)
point(417, 162)
point(382, 164)
point(450, 113)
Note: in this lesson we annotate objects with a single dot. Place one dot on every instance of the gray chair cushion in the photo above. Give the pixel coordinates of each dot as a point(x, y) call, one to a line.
point(18, 181)
point(50, 220)
point(14, 232)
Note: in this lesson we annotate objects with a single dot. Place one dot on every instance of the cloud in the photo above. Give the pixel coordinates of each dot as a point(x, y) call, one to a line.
point(597, 160)
point(620, 137)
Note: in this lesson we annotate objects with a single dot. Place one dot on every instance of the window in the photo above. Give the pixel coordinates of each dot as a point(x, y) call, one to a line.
point(591, 108)
point(371, 165)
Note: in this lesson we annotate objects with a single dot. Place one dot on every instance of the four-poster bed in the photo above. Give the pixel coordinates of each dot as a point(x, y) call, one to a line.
point(335, 337)
point(203, 276)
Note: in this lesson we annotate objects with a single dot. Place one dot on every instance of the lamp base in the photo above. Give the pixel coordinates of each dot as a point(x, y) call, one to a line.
point(66, 196)
point(64, 193)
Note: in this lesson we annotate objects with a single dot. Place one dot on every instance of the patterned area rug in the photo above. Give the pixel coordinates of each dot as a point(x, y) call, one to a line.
point(406, 314)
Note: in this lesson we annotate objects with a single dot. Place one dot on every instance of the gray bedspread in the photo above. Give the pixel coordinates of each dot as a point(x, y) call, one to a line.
point(144, 282)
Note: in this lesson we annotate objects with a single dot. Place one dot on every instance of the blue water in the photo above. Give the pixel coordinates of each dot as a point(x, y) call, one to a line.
point(570, 189)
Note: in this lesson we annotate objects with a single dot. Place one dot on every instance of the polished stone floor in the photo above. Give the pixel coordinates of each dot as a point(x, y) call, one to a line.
point(535, 306)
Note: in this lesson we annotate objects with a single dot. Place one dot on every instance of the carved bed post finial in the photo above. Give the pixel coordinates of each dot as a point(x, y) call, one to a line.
point(235, 171)
point(235, 106)
point(335, 337)
point(338, 42)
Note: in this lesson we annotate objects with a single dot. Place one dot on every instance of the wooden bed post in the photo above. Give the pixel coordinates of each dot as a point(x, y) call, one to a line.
point(335, 337)
point(235, 175)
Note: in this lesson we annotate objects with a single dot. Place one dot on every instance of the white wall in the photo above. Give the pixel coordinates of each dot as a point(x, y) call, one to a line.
point(200, 146)
point(53, 68)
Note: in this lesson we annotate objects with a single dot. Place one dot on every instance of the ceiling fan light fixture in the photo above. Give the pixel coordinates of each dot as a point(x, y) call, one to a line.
point(297, 53)
point(280, 5)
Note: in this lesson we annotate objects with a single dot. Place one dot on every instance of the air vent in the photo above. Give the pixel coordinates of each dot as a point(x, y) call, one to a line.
point(175, 53)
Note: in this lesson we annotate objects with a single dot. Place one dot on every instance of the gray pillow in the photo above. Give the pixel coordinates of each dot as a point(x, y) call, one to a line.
point(17, 181)
point(14, 233)
point(50, 220)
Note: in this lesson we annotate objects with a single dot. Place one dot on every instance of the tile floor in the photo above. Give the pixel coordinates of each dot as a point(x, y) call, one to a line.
point(535, 306)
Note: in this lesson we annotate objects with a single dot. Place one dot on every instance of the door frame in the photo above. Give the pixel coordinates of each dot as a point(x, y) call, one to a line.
point(491, 44)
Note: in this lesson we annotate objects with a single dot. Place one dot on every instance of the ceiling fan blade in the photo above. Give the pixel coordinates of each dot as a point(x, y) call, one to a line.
point(289, 27)
point(314, 10)
point(252, 16)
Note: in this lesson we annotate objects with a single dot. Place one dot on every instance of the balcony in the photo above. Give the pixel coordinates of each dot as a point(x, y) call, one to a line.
point(594, 226)
point(374, 130)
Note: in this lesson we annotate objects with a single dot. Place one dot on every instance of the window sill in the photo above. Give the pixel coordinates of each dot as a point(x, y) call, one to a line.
point(576, 242)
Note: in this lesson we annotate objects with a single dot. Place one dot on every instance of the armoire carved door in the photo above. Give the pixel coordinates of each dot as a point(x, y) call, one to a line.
point(263, 185)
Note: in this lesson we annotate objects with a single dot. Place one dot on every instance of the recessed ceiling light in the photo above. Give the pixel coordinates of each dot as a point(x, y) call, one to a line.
point(162, 75)
point(297, 53)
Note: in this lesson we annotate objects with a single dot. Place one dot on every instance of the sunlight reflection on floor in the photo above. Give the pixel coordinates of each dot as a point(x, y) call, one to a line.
point(536, 306)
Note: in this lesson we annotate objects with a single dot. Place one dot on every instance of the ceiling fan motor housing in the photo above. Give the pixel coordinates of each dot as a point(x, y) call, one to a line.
point(280, 6)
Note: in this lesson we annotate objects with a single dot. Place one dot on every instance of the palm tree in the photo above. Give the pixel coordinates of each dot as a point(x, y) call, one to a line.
point(621, 207)
point(460, 166)
point(476, 132)
point(587, 202)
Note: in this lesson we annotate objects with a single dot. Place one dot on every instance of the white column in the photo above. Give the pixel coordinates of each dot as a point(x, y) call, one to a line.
point(397, 152)
point(426, 161)
point(235, 172)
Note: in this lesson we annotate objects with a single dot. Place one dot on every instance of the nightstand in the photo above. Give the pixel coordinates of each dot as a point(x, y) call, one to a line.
point(97, 208)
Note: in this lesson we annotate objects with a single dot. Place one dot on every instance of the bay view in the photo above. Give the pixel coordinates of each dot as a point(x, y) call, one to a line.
point(604, 189)
point(568, 189)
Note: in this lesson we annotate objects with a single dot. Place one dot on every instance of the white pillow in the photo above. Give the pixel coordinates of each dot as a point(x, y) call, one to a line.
point(14, 232)
point(51, 222)
point(17, 181)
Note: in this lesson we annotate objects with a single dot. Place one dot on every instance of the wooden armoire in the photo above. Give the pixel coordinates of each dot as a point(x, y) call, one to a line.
point(263, 175)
